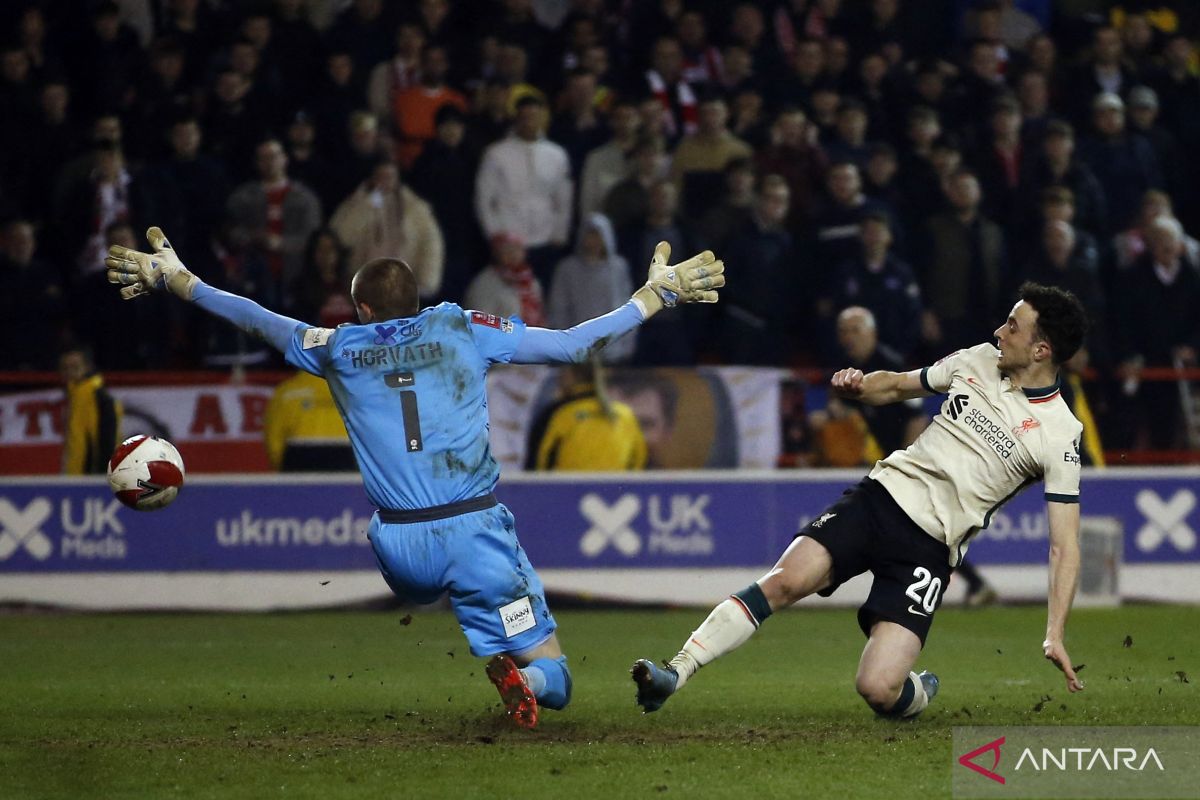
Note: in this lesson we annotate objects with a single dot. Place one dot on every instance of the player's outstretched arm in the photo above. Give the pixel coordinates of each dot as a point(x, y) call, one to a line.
point(695, 280)
point(1064, 577)
point(877, 388)
point(142, 273)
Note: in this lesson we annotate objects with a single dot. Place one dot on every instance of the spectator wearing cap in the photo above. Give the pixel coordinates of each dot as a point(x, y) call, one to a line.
point(508, 287)
point(1057, 165)
point(1144, 120)
point(607, 165)
point(1124, 163)
point(414, 110)
point(444, 175)
point(524, 188)
point(512, 71)
point(383, 218)
point(701, 157)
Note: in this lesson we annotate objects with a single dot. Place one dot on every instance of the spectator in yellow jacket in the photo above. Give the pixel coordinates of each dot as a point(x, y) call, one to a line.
point(92, 415)
point(585, 430)
point(303, 431)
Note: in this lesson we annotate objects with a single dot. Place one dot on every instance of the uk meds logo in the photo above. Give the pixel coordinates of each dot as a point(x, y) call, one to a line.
point(22, 528)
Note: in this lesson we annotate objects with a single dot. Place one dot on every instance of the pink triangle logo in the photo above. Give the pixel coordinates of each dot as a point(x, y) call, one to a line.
point(966, 760)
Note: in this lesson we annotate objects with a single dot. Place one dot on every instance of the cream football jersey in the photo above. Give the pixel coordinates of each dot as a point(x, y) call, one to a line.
point(990, 441)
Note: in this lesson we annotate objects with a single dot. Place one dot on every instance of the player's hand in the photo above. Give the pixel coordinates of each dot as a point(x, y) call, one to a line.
point(141, 273)
point(695, 280)
point(1057, 654)
point(847, 383)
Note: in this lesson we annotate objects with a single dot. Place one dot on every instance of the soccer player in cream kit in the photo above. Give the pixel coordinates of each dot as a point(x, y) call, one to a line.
point(1002, 427)
point(409, 384)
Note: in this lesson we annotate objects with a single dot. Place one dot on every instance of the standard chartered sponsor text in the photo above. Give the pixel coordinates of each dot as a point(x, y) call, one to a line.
point(993, 434)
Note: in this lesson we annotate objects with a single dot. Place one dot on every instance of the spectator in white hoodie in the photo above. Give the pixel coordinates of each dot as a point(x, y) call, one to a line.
point(589, 282)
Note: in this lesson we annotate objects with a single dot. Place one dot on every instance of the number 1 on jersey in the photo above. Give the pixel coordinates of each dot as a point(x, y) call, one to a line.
point(408, 408)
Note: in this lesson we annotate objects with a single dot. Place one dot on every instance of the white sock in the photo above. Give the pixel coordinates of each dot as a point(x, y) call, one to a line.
point(727, 628)
point(920, 699)
point(535, 679)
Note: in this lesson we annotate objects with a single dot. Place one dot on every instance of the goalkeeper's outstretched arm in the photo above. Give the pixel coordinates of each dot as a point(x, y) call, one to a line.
point(141, 273)
point(695, 280)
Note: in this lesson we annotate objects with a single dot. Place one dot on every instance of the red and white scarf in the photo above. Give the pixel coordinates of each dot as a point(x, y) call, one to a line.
point(684, 96)
point(520, 279)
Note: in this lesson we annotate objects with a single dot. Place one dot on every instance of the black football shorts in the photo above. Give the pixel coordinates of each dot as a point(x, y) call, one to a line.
point(867, 531)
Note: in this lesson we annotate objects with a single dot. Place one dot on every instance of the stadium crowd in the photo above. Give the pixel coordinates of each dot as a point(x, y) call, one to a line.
point(917, 159)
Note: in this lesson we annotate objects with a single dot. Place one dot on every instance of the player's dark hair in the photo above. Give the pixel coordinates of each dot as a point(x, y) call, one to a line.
point(1062, 320)
point(388, 286)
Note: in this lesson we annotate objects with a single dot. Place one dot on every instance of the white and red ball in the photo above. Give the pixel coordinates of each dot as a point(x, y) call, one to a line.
point(145, 472)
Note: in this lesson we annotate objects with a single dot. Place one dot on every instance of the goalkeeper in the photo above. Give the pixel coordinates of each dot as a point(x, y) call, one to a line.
point(409, 383)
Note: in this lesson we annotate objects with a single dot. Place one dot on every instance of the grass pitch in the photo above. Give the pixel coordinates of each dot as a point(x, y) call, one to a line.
point(340, 705)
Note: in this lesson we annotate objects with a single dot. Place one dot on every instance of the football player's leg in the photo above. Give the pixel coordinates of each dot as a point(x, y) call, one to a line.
point(546, 673)
point(409, 560)
point(501, 606)
point(885, 678)
point(804, 568)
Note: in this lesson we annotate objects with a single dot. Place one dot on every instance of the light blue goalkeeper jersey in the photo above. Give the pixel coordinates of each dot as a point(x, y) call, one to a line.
point(411, 390)
point(412, 394)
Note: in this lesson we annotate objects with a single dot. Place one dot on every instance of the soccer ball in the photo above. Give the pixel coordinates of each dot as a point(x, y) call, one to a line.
point(145, 472)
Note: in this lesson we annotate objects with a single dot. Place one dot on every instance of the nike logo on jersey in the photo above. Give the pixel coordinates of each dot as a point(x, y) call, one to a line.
point(912, 610)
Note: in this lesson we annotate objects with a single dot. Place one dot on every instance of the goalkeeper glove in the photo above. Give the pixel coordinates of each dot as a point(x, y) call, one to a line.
point(693, 281)
point(141, 273)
